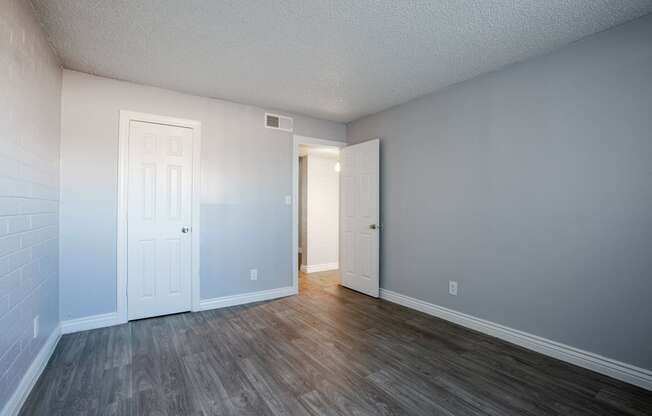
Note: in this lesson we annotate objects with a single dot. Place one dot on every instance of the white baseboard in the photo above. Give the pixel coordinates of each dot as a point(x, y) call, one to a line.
point(233, 300)
point(598, 363)
point(112, 318)
point(90, 322)
point(313, 268)
point(34, 371)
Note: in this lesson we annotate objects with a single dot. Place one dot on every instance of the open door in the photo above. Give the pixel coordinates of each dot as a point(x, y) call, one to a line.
point(360, 216)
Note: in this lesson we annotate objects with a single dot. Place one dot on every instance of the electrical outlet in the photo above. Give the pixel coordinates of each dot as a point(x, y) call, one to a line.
point(253, 274)
point(288, 199)
point(452, 287)
point(36, 326)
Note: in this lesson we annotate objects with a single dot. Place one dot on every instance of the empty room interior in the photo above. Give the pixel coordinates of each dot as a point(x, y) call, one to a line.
point(301, 207)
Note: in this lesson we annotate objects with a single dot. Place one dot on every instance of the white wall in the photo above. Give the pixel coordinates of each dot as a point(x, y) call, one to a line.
point(532, 187)
point(303, 209)
point(246, 172)
point(30, 88)
point(322, 219)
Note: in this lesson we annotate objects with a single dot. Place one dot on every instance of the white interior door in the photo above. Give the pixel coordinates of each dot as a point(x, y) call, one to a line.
point(159, 204)
point(360, 216)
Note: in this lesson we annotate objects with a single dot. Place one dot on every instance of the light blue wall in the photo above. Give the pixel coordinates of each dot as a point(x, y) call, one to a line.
point(532, 187)
point(30, 87)
point(246, 174)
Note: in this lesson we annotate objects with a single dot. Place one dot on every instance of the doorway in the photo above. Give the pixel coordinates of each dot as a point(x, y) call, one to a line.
point(324, 155)
point(158, 227)
point(357, 225)
point(319, 184)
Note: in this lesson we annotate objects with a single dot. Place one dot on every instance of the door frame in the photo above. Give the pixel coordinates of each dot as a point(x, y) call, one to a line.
point(123, 175)
point(296, 141)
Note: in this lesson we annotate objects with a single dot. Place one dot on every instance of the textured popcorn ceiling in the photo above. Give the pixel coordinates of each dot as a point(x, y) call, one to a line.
point(333, 59)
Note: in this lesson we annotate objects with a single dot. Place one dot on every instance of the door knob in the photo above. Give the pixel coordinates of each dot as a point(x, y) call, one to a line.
point(374, 227)
point(185, 230)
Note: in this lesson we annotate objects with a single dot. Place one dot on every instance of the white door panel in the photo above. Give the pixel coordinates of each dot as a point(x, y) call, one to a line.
point(159, 206)
point(360, 216)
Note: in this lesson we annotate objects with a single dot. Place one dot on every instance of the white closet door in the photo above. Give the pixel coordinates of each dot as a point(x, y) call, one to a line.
point(159, 205)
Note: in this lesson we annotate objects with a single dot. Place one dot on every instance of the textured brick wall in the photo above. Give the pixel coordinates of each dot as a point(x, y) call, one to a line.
point(30, 91)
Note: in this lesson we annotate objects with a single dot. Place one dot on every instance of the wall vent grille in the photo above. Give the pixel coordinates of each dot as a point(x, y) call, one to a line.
point(277, 122)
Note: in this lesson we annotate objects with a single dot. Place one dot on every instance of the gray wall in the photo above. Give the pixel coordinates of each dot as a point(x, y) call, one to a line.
point(30, 87)
point(532, 187)
point(245, 171)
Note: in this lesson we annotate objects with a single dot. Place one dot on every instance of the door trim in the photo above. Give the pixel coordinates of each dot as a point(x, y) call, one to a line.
point(296, 141)
point(123, 174)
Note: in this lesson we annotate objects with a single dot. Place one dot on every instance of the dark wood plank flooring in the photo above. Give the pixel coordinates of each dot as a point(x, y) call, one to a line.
point(328, 351)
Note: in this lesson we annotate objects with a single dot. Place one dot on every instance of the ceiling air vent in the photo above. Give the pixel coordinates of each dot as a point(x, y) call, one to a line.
point(274, 121)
